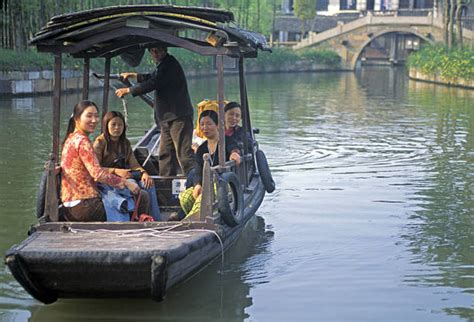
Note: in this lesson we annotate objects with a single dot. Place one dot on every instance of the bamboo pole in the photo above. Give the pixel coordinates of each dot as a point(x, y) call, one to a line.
point(51, 197)
point(244, 106)
point(85, 79)
point(105, 99)
point(220, 99)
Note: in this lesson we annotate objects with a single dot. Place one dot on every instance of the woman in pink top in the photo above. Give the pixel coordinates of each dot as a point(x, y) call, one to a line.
point(81, 169)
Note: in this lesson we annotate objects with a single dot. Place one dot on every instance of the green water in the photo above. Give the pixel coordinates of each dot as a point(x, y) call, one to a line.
point(372, 219)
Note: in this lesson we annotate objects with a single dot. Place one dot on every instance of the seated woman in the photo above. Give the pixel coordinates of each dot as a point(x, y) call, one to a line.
point(190, 199)
point(232, 117)
point(81, 170)
point(115, 154)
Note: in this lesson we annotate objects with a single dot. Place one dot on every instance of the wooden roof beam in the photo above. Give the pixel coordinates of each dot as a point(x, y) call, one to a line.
point(148, 33)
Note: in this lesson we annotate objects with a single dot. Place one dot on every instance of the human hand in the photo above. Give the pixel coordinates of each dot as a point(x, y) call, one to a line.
point(235, 157)
point(123, 173)
point(197, 191)
point(132, 186)
point(121, 185)
point(147, 180)
point(121, 92)
point(128, 75)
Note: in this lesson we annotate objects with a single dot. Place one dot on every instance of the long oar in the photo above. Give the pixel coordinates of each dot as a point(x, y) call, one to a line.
point(147, 98)
point(151, 151)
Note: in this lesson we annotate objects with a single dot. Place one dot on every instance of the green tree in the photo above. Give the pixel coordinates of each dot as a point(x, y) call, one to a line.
point(305, 10)
point(20, 20)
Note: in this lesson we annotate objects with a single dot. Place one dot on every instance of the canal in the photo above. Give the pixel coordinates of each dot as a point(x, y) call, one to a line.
point(372, 218)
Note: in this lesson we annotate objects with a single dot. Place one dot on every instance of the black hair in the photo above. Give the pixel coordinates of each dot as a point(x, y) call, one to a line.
point(231, 105)
point(79, 108)
point(105, 128)
point(159, 47)
point(211, 114)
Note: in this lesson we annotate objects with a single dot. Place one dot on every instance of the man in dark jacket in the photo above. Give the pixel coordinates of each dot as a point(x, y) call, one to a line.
point(173, 109)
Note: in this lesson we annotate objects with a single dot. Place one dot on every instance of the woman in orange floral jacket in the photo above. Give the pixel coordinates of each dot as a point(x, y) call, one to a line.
point(81, 170)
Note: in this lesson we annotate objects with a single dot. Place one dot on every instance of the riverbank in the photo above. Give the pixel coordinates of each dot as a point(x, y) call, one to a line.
point(29, 73)
point(21, 83)
point(436, 64)
point(418, 75)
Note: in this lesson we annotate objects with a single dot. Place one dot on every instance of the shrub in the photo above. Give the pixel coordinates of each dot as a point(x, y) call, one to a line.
point(437, 60)
point(282, 55)
point(33, 60)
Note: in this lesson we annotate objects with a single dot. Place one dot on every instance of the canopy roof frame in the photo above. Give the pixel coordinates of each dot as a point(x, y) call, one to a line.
point(75, 34)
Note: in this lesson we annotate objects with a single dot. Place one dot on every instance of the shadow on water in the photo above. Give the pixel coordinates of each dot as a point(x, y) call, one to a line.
point(208, 296)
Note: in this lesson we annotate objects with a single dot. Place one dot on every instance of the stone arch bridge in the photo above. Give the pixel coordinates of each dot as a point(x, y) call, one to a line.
point(350, 39)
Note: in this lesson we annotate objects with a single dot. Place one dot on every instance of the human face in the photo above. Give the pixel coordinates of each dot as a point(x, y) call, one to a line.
point(157, 54)
point(232, 117)
point(115, 128)
point(208, 127)
point(87, 122)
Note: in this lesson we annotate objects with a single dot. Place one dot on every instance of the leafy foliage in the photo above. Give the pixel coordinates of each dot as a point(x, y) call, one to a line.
point(281, 56)
point(305, 9)
point(32, 60)
point(20, 20)
point(436, 60)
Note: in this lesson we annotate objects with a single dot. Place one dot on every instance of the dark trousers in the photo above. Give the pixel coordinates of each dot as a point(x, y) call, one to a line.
point(176, 138)
point(87, 210)
point(144, 205)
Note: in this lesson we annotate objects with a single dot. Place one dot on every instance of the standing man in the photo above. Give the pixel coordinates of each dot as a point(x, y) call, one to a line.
point(173, 108)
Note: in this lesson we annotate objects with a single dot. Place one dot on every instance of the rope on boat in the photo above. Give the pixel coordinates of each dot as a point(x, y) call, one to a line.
point(125, 110)
point(160, 232)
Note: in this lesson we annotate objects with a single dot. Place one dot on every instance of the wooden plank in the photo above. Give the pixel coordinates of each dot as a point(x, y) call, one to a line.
point(67, 226)
point(158, 35)
point(127, 242)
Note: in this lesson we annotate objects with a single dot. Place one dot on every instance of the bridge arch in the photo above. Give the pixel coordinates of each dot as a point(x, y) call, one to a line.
point(384, 32)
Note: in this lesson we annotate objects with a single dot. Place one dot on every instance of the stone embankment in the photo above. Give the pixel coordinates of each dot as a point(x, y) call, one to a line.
point(19, 83)
point(415, 74)
point(40, 82)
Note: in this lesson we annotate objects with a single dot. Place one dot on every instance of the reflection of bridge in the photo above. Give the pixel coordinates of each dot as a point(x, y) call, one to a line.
point(349, 40)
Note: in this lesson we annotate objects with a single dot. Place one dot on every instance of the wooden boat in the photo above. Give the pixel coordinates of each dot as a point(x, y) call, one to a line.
point(105, 259)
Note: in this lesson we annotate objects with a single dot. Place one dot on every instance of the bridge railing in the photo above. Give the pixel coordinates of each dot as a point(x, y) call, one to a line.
point(399, 12)
point(467, 22)
point(415, 12)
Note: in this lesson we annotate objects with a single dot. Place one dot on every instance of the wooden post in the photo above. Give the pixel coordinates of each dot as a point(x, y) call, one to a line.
point(207, 189)
point(51, 197)
point(220, 99)
point(51, 201)
point(85, 79)
point(56, 103)
point(105, 100)
point(245, 113)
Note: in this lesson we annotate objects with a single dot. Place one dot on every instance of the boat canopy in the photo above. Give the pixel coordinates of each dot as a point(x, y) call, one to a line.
point(128, 30)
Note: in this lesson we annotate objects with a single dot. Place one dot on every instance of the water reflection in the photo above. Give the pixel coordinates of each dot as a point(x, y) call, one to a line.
point(210, 296)
point(441, 234)
point(373, 207)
